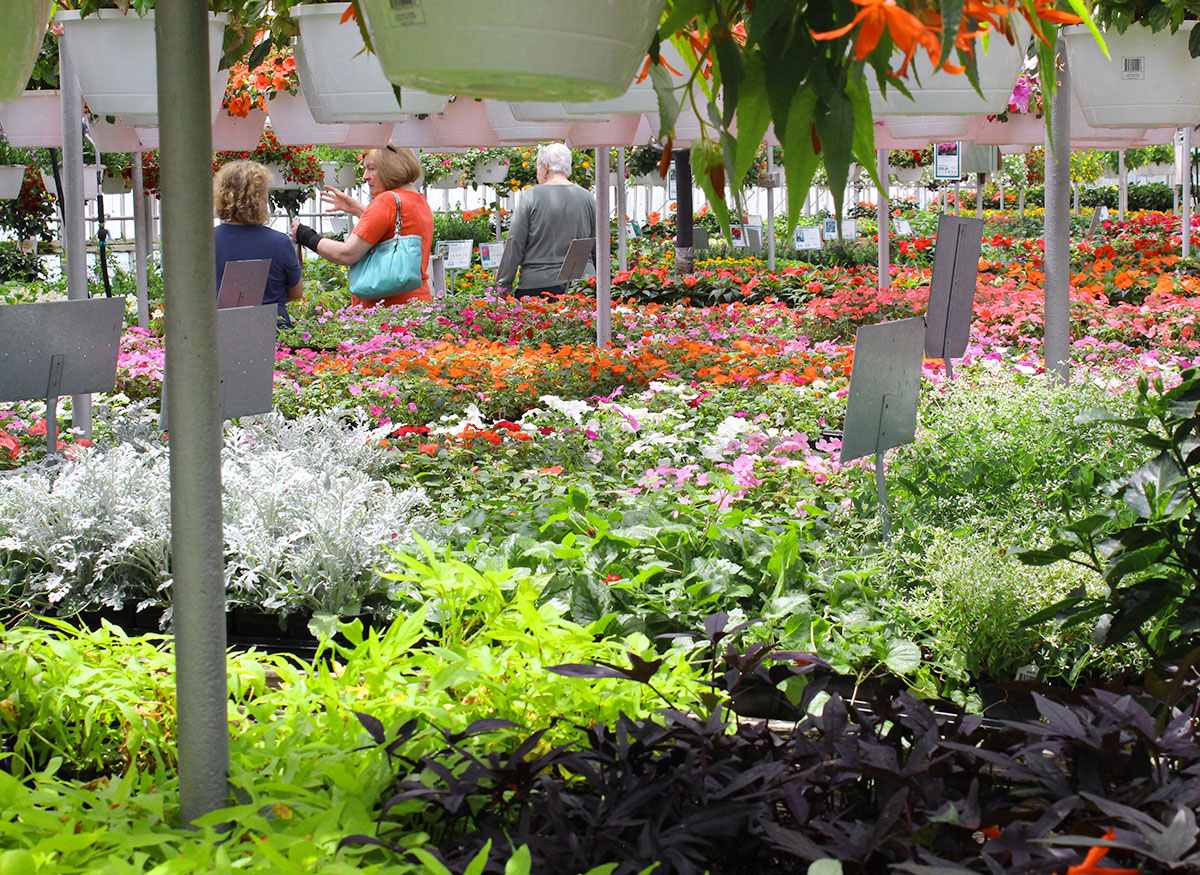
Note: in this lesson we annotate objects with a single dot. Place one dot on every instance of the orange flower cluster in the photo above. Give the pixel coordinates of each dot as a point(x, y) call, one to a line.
point(250, 89)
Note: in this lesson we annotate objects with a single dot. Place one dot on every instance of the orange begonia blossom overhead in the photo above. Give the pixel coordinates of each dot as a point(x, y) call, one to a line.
point(907, 31)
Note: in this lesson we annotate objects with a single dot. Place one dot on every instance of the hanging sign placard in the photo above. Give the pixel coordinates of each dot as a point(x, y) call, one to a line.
point(902, 227)
point(829, 229)
point(947, 161)
point(671, 188)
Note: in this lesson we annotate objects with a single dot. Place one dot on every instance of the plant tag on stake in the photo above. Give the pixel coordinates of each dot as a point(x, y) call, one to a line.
point(829, 229)
point(947, 161)
point(737, 233)
point(457, 253)
point(807, 237)
point(902, 227)
point(850, 229)
point(490, 255)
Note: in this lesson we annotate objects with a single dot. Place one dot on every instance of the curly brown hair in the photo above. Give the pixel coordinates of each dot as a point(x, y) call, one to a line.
point(240, 193)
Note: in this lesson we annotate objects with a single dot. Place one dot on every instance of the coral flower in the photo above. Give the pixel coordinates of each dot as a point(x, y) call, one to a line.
point(907, 31)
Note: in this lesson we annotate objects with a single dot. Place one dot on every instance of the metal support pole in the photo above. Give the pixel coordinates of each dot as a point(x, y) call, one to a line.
point(603, 252)
point(189, 272)
point(140, 244)
point(979, 177)
point(1057, 334)
point(770, 229)
point(684, 253)
point(74, 231)
point(883, 221)
point(1122, 184)
point(622, 223)
point(1186, 197)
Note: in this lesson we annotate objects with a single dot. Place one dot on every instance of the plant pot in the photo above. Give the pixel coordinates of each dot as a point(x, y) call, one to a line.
point(416, 133)
point(20, 41)
point(511, 131)
point(343, 77)
point(114, 60)
point(465, 124)
point(651, 178)
point(1151, 79)
point(533, 50)
point(639, 97)
point(617, 130)
point(113, 137)
point(339, 175)
point(33, 120)
point(233, 134)
point(908, 175)
point(943, 93)
point(927, 129)
point(491, 172)
point(279, 180)
point(115, 183)
point(91, 186)
point(294, 125)
point(27, 247)
point(12, 177)
point(450, 182)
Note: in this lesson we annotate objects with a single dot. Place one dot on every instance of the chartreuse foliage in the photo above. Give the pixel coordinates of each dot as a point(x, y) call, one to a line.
point(96, 707)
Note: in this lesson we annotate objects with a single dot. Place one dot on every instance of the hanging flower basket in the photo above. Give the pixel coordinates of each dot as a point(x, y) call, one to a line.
point(233, 134)
point(534, 50)
point(943, 93)
point(1151, 79)
point(647, 179)
point(12, 176)
point(450, 181)
point(91, 186)
point(20, 41)
point(115, 182)
point(512, 131)
point(617, 130)
point(343, 77)
point(926, 129)
point(33, 120)
point(113, 137)
point(908, 175)
point(114, 59)
point(294, 125)
point(465, 124)
point(339, 175)
point(1156, 169)
point(491, 172)
point(279, 180)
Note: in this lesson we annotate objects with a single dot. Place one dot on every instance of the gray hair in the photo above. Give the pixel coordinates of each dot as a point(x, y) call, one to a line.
point(556, 157)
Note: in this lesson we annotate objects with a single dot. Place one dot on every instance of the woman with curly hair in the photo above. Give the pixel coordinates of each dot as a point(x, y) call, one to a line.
point(240, 202)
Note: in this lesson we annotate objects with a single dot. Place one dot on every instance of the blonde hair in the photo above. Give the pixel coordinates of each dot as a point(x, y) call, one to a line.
point(240, 193)
point(396, 165)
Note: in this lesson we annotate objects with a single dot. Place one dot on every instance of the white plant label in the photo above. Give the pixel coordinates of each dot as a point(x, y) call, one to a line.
point(807, 237)
point(490, 255)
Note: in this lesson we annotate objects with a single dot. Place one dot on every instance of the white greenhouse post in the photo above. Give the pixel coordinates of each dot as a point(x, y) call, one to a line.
point(603, 252)
point(1185, 182)
point(1122, 184)
point(882, 213)
point(1056, 344)
point(622, 231)
point(74, 231)
point(189, 272)
point(140, 244)
point(770, 229)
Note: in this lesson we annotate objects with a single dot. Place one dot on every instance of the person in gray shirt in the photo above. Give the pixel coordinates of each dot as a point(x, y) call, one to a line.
point(548, 217)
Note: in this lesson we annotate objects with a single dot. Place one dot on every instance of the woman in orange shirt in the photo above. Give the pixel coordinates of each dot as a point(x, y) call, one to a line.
point(395, 169)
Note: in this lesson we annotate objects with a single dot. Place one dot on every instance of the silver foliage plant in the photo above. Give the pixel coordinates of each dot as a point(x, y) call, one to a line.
point(305, 523)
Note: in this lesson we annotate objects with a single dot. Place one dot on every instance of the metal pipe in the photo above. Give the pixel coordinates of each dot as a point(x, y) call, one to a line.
point(603, 252)
point(1186, 197)
point(189, 273)
point(882, 220)
point(74, 225)
point(770, 229)
point(1057, 334)
point(622, 225)
point(140, 244)
point(1122, 184)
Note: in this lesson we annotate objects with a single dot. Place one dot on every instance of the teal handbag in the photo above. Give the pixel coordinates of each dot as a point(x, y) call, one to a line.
point(390, 267)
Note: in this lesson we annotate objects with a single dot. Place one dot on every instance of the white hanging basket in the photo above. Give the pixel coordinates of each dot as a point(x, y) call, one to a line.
point(511, 131)
point(651, 178)
point(111, 137)
point(347, 80)
point(279, 181)
point(114, 59)
point(533, 50)
point(12, 176)
point(465, 124)
point(1022, 128)
point(33, 120)
point(1156, 168)
point(20, 41)
point(491, 172)
point(639, 97)
point(927, 129)
point(943, 93)
point(90, 184)
point(1150, 81)
point(908, 175)
point(617, 130)
point(115, 183)
point(450, 182)
point(339, 175)
point(233, 134)
point(294, 125)
point(415, 133)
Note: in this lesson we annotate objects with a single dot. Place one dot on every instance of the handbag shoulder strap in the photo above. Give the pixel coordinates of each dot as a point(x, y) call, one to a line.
point(397, 197)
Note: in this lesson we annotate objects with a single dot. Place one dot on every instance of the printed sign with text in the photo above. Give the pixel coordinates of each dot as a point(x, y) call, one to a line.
point(490, 255)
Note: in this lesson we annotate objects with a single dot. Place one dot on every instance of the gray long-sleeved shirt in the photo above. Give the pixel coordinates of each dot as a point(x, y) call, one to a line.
point(547, 219)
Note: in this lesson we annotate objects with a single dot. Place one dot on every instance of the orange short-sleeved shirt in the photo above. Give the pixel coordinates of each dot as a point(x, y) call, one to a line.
point(378, 222)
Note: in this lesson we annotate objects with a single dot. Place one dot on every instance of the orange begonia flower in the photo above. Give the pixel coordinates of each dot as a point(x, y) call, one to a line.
point(1094, 856)
point(907, 31)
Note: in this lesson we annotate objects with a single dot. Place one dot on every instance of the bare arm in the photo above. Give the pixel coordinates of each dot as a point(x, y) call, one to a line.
point(296, 292)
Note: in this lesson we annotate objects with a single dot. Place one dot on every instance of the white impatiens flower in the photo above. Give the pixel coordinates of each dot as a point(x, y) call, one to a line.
point(573, 410)
point(725, 436)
